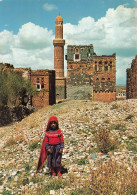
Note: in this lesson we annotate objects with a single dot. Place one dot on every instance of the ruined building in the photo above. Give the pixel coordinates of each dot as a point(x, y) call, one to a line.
point(90, 76)
point(59, 43)
point(43, 80)
point(131, 86)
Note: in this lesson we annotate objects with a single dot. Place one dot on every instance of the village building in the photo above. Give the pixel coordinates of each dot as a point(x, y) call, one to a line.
point(131, 85)
point(43, 80)
point(90, 76)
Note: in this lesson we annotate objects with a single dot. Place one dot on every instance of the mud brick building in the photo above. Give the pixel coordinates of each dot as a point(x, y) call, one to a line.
point(131, 86)
point(90, 76)
point(59, 43)
point(43, 80)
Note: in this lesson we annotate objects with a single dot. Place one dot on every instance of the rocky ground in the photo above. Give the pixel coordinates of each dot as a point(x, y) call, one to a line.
point(100, 150)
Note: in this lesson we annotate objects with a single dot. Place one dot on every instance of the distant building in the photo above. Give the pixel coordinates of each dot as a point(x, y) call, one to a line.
point(131, 86)
point(120, 93)
point(90, 76)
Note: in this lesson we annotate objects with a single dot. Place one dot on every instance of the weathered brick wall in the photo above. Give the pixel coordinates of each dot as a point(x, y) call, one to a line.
point(107, 96)
point(104, 78)
point(131, 87)
point(45, 79)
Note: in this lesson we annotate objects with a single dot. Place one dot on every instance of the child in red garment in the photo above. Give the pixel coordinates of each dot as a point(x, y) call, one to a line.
point(54, 144)
point(52, 148)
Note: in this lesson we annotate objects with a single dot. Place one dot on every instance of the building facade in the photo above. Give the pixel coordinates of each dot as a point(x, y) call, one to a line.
point(90, 76)
point(131, 85)
point(59, 43)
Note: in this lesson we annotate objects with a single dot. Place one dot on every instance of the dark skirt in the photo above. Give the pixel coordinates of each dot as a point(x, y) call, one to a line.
point(54, 158)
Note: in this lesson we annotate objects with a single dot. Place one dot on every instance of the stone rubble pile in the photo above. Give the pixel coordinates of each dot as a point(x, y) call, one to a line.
point(79, 121)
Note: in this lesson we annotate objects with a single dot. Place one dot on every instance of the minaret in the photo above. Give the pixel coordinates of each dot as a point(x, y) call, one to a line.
point(59, 43)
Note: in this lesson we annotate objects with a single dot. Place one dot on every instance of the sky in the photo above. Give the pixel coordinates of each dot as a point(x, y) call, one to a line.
point(27, 30)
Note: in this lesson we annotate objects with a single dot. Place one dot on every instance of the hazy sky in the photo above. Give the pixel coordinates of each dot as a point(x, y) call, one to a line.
point(27, 30)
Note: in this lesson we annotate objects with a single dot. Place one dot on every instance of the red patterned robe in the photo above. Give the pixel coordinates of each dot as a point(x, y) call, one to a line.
point(53, 140)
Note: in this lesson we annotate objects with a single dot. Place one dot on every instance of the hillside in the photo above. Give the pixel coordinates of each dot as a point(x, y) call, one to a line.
point(100, 153)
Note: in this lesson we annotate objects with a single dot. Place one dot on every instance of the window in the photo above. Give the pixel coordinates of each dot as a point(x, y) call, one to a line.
point(38, 87)
point(97, 79)
point(96, 67)
point(100, 62)
point(42, 86)
point(37, 79)
point(103, 79)
point(76, 50)
point(108, 79)
point(76, 56)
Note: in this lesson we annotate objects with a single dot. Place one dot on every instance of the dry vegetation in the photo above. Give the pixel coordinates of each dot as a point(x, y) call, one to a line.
point(100, 150)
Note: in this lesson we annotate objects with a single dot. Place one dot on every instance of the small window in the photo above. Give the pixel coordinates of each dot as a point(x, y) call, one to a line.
point(106, 62)
point(95, 62)
point(108, 79)
point(76, 56)
point(100, 62)
point(37, 80)
point(42, 86)
point(95, 67)
point(38, 86)
point(97, 79)
point(110, 62)
point(103, 79)
point(76, 50)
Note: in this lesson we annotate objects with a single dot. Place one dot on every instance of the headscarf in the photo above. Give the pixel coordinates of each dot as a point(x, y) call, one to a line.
point(51, 119)
point(43, 152)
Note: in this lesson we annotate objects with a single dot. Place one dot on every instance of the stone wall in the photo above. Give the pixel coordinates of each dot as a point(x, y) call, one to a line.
point(131, 87)
point(85, 68)
point(60, 88)
point(79, 92)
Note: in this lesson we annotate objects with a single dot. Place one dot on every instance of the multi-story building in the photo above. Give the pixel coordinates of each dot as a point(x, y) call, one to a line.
point(131, 86)
point(90, 76)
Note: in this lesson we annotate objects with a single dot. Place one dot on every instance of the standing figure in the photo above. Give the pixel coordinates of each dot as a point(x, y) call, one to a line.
point(52, 147)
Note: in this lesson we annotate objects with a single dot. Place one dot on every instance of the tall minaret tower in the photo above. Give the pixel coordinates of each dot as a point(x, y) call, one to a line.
point(59, 43)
